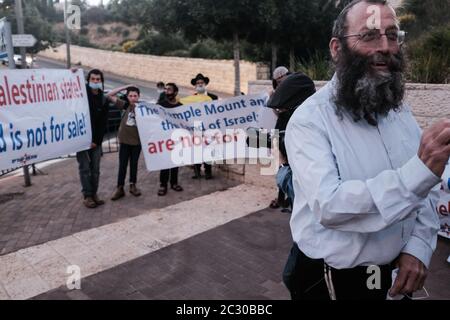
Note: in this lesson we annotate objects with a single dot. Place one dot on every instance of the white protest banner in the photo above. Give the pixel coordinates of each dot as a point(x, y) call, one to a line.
point(443, 211)
point(443, 206)
point(44, 114)
point(210, 131)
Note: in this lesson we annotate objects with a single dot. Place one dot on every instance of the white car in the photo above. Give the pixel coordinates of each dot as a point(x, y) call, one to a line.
point(18, 60)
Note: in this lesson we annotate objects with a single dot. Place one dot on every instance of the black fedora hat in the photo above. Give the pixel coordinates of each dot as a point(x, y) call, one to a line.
point(199, 77)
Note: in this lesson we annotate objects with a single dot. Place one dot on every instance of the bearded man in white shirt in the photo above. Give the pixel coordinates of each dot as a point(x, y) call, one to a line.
point(365, 177)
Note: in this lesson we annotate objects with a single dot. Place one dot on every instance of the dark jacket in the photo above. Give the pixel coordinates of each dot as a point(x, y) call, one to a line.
point(98, 109)
point(213, 96)
point(167, 104)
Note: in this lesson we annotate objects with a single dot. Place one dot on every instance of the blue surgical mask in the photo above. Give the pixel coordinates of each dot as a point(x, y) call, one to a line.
point(95, 86)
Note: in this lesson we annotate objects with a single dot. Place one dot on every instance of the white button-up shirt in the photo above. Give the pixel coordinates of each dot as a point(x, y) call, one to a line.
point(362, 195)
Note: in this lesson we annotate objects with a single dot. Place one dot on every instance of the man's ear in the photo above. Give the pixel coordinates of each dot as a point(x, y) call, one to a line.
point(335, 47)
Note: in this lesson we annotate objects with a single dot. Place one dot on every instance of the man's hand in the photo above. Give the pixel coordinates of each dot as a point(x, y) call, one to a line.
point(112, 99)
point(434, 149)
point(74, 70)
point(93, 145)
point(411, 276)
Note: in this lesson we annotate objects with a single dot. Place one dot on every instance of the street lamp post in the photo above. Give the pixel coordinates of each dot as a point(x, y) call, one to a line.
point(67, 31)
point(23, 53)
point(21, 30)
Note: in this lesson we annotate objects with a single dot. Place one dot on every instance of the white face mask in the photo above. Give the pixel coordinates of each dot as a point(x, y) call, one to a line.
point(160, 90)
point(200, 89)
point(95, 85)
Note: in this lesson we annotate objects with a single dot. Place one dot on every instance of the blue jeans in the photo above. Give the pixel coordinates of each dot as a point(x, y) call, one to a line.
point(89, 170)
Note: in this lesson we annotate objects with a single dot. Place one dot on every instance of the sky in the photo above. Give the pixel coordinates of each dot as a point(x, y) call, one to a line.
point(96, 2)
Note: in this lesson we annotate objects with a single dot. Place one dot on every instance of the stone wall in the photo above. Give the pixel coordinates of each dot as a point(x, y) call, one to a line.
point(429, 102)
point(166, 69)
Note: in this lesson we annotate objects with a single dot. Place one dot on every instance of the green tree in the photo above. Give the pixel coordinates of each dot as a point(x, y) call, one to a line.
point(230, 20)
point(37, 16)
point(425, 15)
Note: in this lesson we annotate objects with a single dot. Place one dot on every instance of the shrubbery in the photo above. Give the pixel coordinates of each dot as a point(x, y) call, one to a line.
point(430, 57)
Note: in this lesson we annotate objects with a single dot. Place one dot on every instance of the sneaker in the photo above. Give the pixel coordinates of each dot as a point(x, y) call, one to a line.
point(134, 191)
point(97, 201)
point(119, 193)
point(89, 203)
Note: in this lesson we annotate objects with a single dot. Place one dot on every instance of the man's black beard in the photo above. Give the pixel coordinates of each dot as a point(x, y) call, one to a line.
point(365, 92)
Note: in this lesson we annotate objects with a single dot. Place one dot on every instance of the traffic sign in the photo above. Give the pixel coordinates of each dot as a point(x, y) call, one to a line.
point(23, 40)
point(3, 48)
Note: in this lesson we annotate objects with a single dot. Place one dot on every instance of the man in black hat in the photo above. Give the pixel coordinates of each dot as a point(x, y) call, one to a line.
point(200, 82)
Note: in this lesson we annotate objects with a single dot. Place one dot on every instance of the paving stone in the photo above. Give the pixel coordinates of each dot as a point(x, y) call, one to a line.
point(52, 207)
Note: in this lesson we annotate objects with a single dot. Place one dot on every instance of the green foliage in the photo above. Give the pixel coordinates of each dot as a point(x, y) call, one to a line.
point(159, 44)
point(178, 53)
point(84, 31)
point(101, 30)
point(118, 30)
point(317, 67)
point(130, 12)
point(96, 15)
point(430, 57)
point(210, 49)
point(428, 14)
point(127, 45)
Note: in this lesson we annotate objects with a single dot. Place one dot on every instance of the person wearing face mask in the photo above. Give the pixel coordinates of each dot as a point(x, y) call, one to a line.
point(200, 82)
point(89, 160)
point(169, 102)
point(160, 89)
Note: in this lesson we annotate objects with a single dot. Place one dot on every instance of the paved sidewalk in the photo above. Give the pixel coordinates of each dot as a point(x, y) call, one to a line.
point(212, 241)
point(52, 208)
point(242, 260)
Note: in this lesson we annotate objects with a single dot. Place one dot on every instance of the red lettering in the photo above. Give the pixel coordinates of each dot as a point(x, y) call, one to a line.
point(227, 138)
point(169, 144)
point(161, 143)
point(152, 148)
point(197, 140)
point(186, 142)
point(15, 94)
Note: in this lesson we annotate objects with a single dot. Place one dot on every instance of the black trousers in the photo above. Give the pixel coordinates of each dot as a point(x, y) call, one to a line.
point(305, 279)
point(128, 153)
point(208, 169)
point(164, 176)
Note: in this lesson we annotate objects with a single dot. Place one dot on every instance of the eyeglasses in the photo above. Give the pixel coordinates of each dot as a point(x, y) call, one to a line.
point(375, 35)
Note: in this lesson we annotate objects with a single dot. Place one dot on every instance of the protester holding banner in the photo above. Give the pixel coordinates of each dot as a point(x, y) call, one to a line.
point(200, 82)
point(89, 160)
point(366, 180)
point(170, 101)
point(130, 144)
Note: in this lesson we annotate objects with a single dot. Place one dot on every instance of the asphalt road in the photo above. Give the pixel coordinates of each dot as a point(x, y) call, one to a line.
point(148, 89)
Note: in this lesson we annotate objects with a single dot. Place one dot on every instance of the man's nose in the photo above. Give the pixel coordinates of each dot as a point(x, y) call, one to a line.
point(383, 44)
